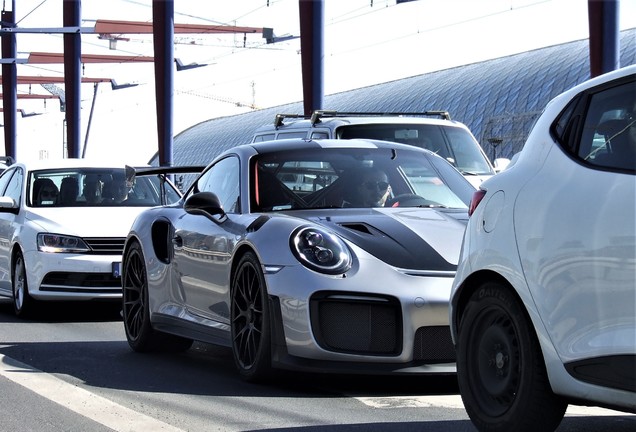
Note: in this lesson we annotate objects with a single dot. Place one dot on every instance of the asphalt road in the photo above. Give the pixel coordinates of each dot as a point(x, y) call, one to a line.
point(72, 370)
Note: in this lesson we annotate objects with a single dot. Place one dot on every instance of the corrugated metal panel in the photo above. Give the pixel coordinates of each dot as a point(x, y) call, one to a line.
point(495, 98)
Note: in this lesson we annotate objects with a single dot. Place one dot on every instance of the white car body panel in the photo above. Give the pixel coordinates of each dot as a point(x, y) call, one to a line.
point(561, 248)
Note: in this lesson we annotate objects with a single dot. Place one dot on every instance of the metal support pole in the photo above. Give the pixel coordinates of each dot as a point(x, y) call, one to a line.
point(163, 35)
point(312, 53)
point(9, 85)
point(72, 76)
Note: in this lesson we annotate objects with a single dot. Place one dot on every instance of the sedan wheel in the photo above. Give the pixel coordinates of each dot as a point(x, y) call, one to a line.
point(251, 344)
point(136, 312)
point(23, 303)
point(500, 368)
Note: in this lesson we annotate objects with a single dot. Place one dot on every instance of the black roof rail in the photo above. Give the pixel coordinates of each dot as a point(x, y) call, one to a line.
point(318, 114)
point(278, 120)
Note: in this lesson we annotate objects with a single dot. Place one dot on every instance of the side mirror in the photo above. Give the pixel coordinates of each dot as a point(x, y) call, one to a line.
point(8, 204)
point(204, 203)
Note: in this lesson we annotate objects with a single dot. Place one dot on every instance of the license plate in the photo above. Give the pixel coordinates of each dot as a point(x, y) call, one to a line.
point(117, 269)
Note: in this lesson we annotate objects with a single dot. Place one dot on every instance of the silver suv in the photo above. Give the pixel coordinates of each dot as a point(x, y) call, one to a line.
point(432, 130)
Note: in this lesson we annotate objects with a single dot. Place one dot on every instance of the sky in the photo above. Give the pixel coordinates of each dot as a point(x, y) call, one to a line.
point(366, 42)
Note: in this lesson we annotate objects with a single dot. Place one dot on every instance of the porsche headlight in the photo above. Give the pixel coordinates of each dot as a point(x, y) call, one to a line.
point(57, 243)
point(320, 250)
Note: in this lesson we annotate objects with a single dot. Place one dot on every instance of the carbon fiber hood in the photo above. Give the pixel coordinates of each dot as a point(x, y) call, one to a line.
point(408, 238)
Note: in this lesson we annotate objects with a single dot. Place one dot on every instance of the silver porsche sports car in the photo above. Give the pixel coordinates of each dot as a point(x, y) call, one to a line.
point(331, 256)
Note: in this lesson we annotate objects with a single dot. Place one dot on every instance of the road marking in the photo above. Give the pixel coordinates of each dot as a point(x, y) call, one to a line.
point(83, 402)
point(455, 401)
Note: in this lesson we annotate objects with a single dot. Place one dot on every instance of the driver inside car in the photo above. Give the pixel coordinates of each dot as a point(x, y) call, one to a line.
point(372, 190)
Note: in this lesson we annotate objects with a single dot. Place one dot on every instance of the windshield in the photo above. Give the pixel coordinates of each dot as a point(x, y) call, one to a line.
point(354, 177)
point(454, 144)
point(100, 187)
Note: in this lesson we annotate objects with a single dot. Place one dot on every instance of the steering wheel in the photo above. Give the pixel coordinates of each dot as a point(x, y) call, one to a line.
point(407, 200)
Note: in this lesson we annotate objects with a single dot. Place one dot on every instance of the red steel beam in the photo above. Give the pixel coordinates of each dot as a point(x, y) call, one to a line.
point(51, 58)
point(140, 27)
point(53, 80)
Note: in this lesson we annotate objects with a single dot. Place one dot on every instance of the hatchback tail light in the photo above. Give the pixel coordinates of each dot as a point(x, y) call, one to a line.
point(476, 199)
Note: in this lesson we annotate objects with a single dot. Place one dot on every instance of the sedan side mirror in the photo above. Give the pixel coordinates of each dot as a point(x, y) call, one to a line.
point(8, 204)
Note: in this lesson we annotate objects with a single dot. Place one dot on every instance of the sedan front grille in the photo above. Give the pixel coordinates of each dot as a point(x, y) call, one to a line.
point(81, 282)
point(354, 324)
point(106, 245)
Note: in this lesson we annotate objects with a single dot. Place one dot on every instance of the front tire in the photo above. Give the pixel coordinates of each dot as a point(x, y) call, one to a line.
point(251, 336)
point(23, 303)
point(500, 368)
point(136, 311)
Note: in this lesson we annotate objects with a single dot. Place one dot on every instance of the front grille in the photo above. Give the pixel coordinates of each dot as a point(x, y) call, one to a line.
point(353, 324)
point(106, 245)
point(434, 345)
point(80, 282)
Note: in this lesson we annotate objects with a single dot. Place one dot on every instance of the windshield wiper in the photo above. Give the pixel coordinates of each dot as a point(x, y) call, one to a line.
point(469, 173)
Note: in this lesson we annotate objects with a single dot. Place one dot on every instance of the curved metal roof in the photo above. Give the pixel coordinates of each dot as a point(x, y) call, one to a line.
point(497, 99)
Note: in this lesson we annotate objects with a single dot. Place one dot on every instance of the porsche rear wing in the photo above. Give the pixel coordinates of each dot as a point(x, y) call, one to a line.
point(164, 174)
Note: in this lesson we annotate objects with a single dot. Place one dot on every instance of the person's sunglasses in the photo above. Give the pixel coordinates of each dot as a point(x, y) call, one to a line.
point(381, 185)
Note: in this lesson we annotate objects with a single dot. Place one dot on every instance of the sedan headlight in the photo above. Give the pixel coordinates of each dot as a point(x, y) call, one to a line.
point(320, 250)
point(57, 243)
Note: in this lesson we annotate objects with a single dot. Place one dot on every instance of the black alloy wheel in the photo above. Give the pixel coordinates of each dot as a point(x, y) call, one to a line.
point(251, 337)
point(136, 311)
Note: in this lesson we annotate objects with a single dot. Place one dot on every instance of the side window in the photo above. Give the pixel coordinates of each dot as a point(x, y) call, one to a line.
point(266, 137)
point(4, 180)
point(285, 135)
point(609, 132)
point(14, 188)
point(223, 180)
point(319, 135)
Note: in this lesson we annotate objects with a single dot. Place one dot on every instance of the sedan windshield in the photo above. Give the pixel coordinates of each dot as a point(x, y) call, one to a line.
point(356, 177)
point(102, 187)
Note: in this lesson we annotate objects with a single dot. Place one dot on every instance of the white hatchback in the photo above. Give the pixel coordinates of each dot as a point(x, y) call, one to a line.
point(543, 307)
point(63, 225)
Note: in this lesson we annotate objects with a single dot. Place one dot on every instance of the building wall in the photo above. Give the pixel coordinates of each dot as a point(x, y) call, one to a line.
point(498, 99)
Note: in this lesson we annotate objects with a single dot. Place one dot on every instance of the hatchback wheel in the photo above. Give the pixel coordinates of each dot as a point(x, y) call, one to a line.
point(251, 338)
point(136, 312)
point(500, 368)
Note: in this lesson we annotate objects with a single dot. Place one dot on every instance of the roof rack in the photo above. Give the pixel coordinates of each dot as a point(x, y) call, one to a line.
point(318, 114)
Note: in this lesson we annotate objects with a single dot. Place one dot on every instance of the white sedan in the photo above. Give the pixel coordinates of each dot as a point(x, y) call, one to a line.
point(63, 225)
point(543, 307)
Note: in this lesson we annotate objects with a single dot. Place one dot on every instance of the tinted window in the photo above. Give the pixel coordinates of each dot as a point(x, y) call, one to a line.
point(609, 133)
